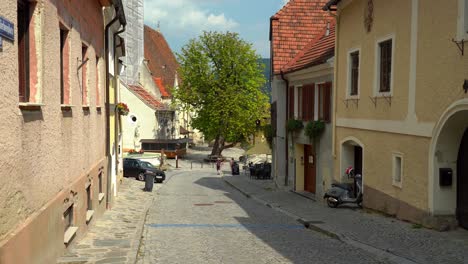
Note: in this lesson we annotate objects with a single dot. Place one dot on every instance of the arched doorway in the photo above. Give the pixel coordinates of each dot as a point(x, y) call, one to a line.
point(351, 155)
point(462, 182)
point(448, 152)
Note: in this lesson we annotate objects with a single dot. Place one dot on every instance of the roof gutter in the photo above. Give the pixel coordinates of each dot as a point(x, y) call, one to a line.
point(120, 16)
point(331, 5)
point(117, 120)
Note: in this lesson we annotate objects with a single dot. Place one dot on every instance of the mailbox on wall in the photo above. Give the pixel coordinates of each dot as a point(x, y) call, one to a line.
point(445, 176)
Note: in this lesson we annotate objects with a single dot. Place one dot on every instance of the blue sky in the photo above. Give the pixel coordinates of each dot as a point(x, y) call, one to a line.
point(181, 20)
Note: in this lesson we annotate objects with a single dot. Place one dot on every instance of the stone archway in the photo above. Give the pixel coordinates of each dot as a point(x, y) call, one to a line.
point(444, 156)
point(352, 154)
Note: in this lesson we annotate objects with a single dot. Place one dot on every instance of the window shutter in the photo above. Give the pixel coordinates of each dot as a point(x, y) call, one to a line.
point(291, 102)
point(309, 97)
point(305, 102)
point(23, 14)
point(312, 102)
point(327, 102)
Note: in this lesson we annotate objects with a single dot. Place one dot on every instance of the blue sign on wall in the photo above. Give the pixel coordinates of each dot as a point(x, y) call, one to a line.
point(7, 29)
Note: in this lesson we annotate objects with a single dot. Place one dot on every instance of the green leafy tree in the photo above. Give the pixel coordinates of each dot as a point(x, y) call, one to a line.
point(222, 83)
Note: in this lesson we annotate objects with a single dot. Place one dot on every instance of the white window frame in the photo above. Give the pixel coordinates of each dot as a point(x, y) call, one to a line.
point(395, 156)
point(316, 100)
point(348, 84)
point(377, 93)
point(462, 25)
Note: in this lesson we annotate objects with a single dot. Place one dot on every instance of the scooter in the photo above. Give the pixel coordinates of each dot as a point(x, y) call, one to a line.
point(341, 193)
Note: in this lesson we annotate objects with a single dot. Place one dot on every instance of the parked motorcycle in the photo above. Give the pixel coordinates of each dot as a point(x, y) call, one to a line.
point(341, 193)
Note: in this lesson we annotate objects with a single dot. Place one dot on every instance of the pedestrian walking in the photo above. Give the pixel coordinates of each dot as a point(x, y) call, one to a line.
point(231, 163)
point(218, 165)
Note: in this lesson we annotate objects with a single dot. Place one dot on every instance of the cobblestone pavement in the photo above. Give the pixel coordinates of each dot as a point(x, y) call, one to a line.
point(197, 218)
point(400, 241)
point(115, 237)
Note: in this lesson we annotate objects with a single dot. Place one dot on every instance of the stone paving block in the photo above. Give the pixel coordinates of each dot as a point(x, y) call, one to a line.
point(351, 224)
point(242, 231)
point(114, 238)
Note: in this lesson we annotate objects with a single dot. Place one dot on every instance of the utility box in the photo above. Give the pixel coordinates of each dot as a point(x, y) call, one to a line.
point(445, 177)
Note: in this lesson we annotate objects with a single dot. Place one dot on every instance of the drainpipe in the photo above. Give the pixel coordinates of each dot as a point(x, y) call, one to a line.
point(286, 178)
point(108, 154)
point(117, 120)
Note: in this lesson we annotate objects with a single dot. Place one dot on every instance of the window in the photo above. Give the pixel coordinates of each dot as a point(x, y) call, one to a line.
point(397, 169)
point(98, 94)
point(100, 182)
point(23, 20)
point(324, 101)
point(354, 73)
point(68, 222)
point(291, 102)
point(89, 205)
point(298, 102)
point(462, 31)
point(84, 80)
point(101, 187)
point(64, 68)
point(385, 66)
point(68, 217)
point(465, 17)
point(89, 202)
point(308, 102)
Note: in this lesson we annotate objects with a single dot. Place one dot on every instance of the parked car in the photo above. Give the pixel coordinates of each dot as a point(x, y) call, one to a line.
point(139, 169)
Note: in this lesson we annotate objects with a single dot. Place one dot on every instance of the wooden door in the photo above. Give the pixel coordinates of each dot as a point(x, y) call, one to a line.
point(462, 182)
point(309, 169)
point(358, 160)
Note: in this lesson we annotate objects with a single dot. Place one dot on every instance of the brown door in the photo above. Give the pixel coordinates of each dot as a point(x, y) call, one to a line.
point(358, 160)
point(309, 169)
point(462, 182)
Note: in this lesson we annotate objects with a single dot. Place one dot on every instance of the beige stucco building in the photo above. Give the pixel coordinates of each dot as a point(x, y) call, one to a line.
point(53, 181)
point(310, 79)
point(401, 113)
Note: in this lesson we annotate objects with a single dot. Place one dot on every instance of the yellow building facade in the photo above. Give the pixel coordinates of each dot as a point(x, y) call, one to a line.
point(401, 113)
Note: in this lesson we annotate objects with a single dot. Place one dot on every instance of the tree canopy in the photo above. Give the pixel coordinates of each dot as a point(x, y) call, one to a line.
point(222, 83)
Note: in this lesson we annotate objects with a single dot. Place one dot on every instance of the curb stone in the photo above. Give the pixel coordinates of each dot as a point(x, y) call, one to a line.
point(139, 233)
point(300, 220)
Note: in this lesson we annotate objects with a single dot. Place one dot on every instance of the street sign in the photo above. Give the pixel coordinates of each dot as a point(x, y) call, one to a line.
point(7, 29)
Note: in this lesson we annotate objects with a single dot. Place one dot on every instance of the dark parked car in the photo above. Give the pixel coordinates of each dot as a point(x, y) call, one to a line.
point(139, 169)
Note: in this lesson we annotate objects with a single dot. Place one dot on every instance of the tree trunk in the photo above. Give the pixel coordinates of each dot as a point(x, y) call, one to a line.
point(218, 146)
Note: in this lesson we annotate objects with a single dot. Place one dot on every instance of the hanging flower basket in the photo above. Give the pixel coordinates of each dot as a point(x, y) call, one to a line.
point(122, 109)
point(313, 129)
point(294, 125)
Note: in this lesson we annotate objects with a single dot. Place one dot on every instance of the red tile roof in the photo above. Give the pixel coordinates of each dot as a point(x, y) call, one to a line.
point(292, 27)
point(316, 52)
point(161, 61)
point(159, 83)
point(146, 97)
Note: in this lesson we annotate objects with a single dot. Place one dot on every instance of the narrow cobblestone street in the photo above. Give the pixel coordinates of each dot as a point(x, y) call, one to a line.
point(197, 218)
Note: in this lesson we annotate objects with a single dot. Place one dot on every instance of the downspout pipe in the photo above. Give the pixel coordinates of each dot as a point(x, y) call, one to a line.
point(286, 178)
point(117, 120)
point(108, 154)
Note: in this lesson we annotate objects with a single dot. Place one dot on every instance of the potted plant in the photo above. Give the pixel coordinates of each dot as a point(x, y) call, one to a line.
point(294, 125)
point(122, 109)
point(313, 129)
